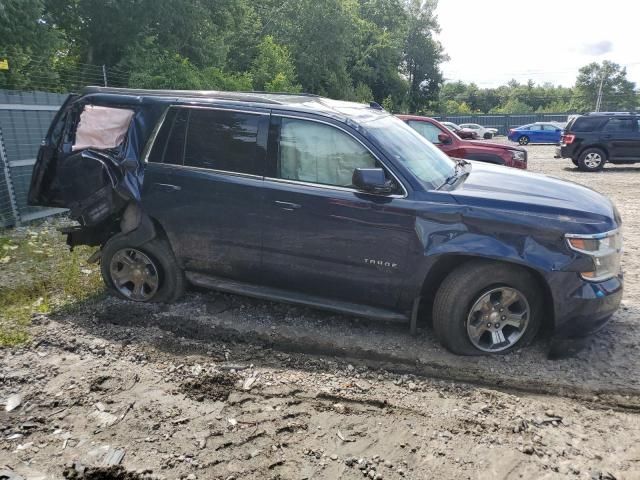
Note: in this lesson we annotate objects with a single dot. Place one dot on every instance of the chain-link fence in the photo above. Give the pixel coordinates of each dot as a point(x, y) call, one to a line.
point(24, 120)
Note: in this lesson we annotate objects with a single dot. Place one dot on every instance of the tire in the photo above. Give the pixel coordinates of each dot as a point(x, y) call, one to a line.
point(523, 140)
point(152, 265)
point(575, 162)
point(488, 136)
point(456, 309)
point(592, 160)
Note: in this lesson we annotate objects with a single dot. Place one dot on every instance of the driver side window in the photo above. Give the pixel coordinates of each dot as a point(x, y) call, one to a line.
point(318, 153)
point(427, 130)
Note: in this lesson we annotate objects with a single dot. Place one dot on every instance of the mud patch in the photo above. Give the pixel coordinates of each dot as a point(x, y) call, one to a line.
point(115, 472)
point(216, 387)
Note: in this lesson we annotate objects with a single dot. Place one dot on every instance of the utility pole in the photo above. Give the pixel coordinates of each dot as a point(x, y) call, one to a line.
point(104, 75)
point(599, 99)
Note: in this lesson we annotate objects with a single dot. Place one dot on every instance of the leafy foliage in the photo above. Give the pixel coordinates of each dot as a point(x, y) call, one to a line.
point(618, 93)
point(347, 49)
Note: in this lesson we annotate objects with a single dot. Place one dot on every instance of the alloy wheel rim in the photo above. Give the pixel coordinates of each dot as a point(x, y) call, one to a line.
point(592, 160)
point(498, 319)
point(523, 141)
point(134, 274)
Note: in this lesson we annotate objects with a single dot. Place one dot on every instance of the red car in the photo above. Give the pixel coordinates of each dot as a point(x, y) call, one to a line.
point(454, 146)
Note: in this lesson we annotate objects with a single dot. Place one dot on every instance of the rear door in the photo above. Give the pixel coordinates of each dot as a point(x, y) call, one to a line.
point(322, 236)
point(536, 134)
point(203, 183)
point(43, 191)
point(622, 137)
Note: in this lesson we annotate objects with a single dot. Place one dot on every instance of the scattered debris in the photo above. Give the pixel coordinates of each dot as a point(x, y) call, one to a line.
point(13, 402)
point(215, 386)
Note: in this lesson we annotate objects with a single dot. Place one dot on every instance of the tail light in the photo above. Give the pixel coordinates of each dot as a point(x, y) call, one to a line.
point(567, 139)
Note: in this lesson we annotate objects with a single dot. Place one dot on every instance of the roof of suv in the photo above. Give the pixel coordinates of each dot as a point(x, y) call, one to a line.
point(610, 114)
point(286, 101)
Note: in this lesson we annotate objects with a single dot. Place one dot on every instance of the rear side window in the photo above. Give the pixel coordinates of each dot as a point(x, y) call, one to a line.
point(622, 125)
point(223, 140)
point(169, 144)
point(586, 124)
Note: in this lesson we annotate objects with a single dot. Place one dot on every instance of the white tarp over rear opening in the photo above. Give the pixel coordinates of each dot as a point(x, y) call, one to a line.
point(102, 127)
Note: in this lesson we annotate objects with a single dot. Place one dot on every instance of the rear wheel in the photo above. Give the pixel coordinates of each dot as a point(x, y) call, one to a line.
point(487, 307)
point(523, 140)
point(145, 273)
point(592, 160)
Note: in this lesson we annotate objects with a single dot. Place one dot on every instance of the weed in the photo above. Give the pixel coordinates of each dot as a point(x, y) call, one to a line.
point(38, 274)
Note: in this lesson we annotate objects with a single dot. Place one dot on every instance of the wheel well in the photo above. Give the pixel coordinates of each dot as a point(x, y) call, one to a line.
point(599, 147)
point(447, 263)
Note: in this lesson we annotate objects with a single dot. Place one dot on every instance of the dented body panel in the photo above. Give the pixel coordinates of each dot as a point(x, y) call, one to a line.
point(341, 245)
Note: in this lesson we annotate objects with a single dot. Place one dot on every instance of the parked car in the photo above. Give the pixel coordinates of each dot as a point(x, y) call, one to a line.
point(329, 204)
point(465, 133)
point(455, 147)
point(539, 132)
point(482, 132)
point(592, 140)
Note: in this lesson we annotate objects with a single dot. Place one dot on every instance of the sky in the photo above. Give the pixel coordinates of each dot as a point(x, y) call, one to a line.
point(490, 42)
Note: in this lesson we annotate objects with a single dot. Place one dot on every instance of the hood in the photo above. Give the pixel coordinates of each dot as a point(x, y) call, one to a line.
point(525, 193)
point(501, 146)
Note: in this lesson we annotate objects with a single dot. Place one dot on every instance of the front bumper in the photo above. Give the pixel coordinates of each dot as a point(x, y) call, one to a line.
point(585, 307)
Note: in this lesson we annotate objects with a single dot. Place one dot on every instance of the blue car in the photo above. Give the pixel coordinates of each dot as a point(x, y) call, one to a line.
point(539, 132)
point(328, 204)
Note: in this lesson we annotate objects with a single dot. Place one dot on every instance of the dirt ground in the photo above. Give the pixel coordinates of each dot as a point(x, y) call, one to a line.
point(224, 387)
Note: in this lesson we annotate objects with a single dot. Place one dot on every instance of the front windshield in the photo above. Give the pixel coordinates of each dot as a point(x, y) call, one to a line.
point(406, 146)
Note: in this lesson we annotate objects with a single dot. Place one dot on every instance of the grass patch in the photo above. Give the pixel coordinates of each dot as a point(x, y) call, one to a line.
point(38, 274)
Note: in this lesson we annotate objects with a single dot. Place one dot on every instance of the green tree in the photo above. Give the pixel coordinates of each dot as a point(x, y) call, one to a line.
point(273, 68)
point(29, 44)
point(422, 54)
point(618, 93)
point(513, 105)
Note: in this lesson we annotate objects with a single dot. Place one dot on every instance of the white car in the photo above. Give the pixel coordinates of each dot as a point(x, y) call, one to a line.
point(483, 132)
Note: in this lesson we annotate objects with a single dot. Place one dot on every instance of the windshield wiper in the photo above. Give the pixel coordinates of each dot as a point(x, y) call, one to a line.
point(458, 171)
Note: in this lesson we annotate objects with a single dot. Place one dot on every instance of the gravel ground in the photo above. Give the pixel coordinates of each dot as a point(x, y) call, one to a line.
point(221, 386)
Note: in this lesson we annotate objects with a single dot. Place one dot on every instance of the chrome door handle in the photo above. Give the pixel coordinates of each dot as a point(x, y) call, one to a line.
point(287, 205)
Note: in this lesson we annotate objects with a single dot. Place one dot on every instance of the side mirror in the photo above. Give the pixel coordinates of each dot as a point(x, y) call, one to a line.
point(372, 180)
point(444, 138)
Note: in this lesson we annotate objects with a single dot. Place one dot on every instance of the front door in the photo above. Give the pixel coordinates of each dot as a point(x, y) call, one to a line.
point(203, 183)
point(322, 236)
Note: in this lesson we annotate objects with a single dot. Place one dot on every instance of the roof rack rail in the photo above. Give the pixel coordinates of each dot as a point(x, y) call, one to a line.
point(612, 113)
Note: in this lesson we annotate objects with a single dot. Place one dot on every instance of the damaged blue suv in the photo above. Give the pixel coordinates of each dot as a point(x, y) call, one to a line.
point(330, 204)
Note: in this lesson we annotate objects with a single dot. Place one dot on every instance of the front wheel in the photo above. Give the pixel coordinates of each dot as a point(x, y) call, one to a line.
point(523, 140)
point(487, 307)
point(141, 273)
point(592, 160)
point(488, 136)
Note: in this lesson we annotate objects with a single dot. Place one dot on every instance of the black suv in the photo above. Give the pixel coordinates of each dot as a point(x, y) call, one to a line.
point(596, 138)
point(330, 204)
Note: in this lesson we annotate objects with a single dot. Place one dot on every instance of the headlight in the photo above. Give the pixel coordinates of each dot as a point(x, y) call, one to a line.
point(605, 250)
point(518, 155)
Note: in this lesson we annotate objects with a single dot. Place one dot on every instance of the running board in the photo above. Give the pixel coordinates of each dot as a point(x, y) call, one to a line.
point(278, 295)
